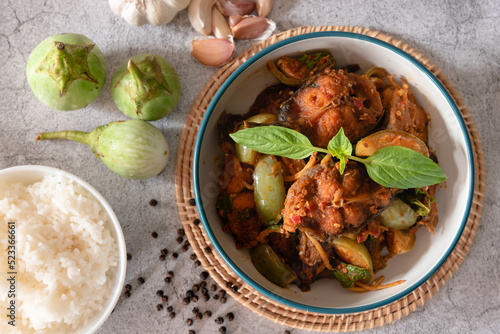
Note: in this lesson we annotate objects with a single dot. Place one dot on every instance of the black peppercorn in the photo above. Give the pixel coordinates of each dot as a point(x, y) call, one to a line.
point(170, 274)
point(208, 314)
point(203, 284)
point(197, 263)
point(170, 309)
point(216, 296)
point(194, 298)
point(208, 250)
point(186, 300)
point(205, 297)
point(192, 331)
point(230, 316)
point(164, 299)
point(159, 307)
point(229, 284)
point(222, 330)
point(196, 287)
point(286, 332)
point(128, 287)
point(189, 293)
point(162, 257)
point(154, 235)
point(167, 279)
point(129, 256)
point(175, 255)
point(234, 288)
point(192, 202)
point(219, 320)
point(223, 300)
point(164, 251)
point(192, 256)
point(204, 291)
point(189, 322)
point(222, 292)
point(153, 202)
point(141, 280)
point(181, 232)
point(186, 243)
point(126, 294)
point(172, 315)
point(179, 240)
point(195, 310)
point(159, 293)
point(199, 316)
point(213, 287)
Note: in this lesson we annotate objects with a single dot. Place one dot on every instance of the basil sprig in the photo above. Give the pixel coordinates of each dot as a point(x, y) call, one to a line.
point(391, 166)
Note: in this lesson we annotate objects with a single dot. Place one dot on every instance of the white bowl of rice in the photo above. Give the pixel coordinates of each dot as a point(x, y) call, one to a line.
point(64, 257)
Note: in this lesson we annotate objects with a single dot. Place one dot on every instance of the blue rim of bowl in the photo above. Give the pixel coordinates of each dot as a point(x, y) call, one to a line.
point(208, 229)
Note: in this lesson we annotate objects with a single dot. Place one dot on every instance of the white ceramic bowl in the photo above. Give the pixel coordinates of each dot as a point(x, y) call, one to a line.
point(30, 174)
point(448, 138)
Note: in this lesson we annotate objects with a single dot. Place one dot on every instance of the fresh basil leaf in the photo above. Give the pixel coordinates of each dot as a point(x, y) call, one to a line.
point(275, 140)
point(340, 147)
point(401, 167)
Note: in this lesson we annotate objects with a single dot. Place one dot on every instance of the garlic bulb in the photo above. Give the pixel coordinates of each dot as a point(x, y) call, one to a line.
point(155, 12)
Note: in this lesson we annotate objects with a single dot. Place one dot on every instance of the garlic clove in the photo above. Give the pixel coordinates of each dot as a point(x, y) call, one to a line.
point(200, 15)
point(253, 27)
point(212, 51)
point(263, 7)
point(234, 19)
point(235, 7)
point(220, 27)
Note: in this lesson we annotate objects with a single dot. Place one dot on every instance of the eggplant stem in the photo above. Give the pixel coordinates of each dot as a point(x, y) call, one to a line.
point(78, 136)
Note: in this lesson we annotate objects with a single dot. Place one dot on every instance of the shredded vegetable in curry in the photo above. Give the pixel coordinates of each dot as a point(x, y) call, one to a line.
point(309, 219)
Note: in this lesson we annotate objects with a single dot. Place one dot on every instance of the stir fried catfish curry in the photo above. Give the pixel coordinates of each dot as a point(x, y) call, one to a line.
point(303, 219)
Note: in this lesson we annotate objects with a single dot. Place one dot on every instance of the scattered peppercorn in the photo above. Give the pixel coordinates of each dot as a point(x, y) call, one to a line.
point(229, 284)
point(170, 309)
point(184, 248)
point(129, 256)
point(192, 202)
point(162, 257)
point(141, 280)
point(192, 331)
point(186, 243)
point(159, 307)
point(194, 299)
point(216, 296)
point(128, 287)
point(195, 310)
point(153, 202)
point(172, 315)
point(126, 294)
point(159, 293)
point(164, 251)
point(205, 296)
point(208, 249)
point(170, 274)
point(181, 232)
point(222, 292)
point(230, 316)
point(204, 291)
point(175, 255)
point(197, 263)
point(186, 300)
point(196, 288)
point(167, 279)
point(219, 320)
point(154, 235)
point(223, 300)
point(199, 316)
point(203, 284)
point(189, 322)
point(234, 288)
point(164, 299)
point(286, 332)
point(222, 330)
point(196, 222)
point(208, 314)
point(179, 240)
point(193, 256)
point(213, 287)
point(189, 293)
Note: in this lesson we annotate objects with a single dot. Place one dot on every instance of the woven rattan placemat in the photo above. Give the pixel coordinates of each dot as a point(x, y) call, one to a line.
point(278, 312)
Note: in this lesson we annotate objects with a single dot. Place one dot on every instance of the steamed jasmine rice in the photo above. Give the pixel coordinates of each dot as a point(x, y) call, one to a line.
point(65, 255)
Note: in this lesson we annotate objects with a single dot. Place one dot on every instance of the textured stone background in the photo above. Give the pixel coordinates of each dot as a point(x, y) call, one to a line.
point(460, 37)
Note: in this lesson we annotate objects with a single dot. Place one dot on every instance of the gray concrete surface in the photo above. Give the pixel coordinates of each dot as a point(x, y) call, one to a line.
point(461, 37)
